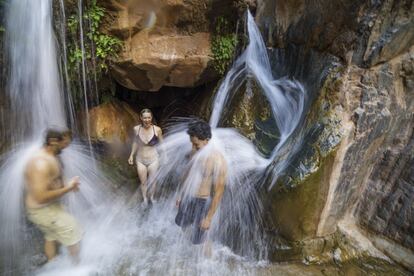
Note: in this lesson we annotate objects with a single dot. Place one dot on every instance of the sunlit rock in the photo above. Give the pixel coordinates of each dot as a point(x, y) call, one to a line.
point(153, 61)
point(112, 122)
point(165, 43)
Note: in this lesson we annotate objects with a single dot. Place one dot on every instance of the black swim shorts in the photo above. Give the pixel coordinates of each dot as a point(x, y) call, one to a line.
point(190, 213)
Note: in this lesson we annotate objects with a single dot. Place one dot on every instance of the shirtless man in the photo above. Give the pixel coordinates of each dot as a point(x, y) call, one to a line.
point(198, 209)
point(44, 188)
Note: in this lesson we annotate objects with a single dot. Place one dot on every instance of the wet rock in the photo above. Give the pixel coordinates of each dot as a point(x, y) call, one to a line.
point(266, 135)
point(337, 255)
point(365, 116)
point(392, 32)
point(295, 207)
point(166, 43)
point(389, 210)
point(153, 61)
point(250, 112)
point(112, 123)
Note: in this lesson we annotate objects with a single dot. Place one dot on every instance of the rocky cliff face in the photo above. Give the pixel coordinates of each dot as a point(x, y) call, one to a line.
point(355, 59)
point(166, 43)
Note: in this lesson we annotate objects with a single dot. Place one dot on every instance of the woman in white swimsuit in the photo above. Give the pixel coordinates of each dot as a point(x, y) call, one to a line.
point(147, 136)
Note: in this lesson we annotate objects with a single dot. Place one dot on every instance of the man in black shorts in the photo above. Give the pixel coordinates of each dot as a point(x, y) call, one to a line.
point(198, 203)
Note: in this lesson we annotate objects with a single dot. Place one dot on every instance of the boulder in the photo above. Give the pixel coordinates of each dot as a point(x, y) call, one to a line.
point(112, 122)
point(152, 61)
point(166, 43)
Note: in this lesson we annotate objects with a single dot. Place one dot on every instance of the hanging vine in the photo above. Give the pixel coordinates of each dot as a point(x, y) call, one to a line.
point(99, 49)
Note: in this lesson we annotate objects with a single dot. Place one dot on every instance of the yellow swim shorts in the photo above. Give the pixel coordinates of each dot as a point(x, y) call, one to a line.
point(56, 224)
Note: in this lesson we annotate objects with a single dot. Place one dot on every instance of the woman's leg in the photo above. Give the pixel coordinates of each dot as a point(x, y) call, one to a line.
point(152, 170)
point(142, 174)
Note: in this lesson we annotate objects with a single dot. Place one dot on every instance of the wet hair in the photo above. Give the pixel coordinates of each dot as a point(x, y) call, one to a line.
point(199, 129)
point(146, 110)
point(58, 134)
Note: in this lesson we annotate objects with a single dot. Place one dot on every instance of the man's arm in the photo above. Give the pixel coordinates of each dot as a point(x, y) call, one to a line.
point(218, 192)
point(39, 178)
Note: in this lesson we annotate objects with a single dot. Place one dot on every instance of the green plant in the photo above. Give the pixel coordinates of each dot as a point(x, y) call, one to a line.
point(223, 48)
point(223, 45)
point(98, 48)
point(72, 24)
point(104, 47)
point(2, 4)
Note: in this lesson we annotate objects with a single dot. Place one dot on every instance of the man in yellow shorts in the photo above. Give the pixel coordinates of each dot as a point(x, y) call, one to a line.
point(44, 188)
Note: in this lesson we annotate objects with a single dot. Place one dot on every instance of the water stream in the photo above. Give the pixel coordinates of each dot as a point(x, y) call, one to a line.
point(121, 236)
point(37, 101)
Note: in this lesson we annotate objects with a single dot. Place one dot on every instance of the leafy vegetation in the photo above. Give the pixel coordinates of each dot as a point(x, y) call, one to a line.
point(103, 46)
point(223, 44)
point(2, 6)
point(94, 52)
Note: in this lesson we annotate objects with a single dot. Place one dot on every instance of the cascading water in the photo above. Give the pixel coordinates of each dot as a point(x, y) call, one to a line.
point(36, 100)
point(33, 86)
point(123, 238)
point(238, 222)
point(64, 66)
point(286, 98)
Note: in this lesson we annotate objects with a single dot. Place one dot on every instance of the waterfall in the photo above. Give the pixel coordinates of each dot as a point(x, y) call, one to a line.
point(36, 98)
point(34, 87)
point(286, 97)
point(70, 104)
point(122, 237)
point(36, 102)
point(239, 220)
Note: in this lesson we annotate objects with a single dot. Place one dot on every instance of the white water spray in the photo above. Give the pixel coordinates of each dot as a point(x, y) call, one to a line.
point(239, 218)
point(126, 239)
point(286, 98)
point(37, 103)
point(33, 86)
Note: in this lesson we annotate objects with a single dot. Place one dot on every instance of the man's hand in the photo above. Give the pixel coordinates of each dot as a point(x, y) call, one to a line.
point(131, 160)
point(74, 184)
point(205, 224)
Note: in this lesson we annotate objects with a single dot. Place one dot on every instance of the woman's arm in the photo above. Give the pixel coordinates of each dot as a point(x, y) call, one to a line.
point(134, 149)
point(159, 134)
